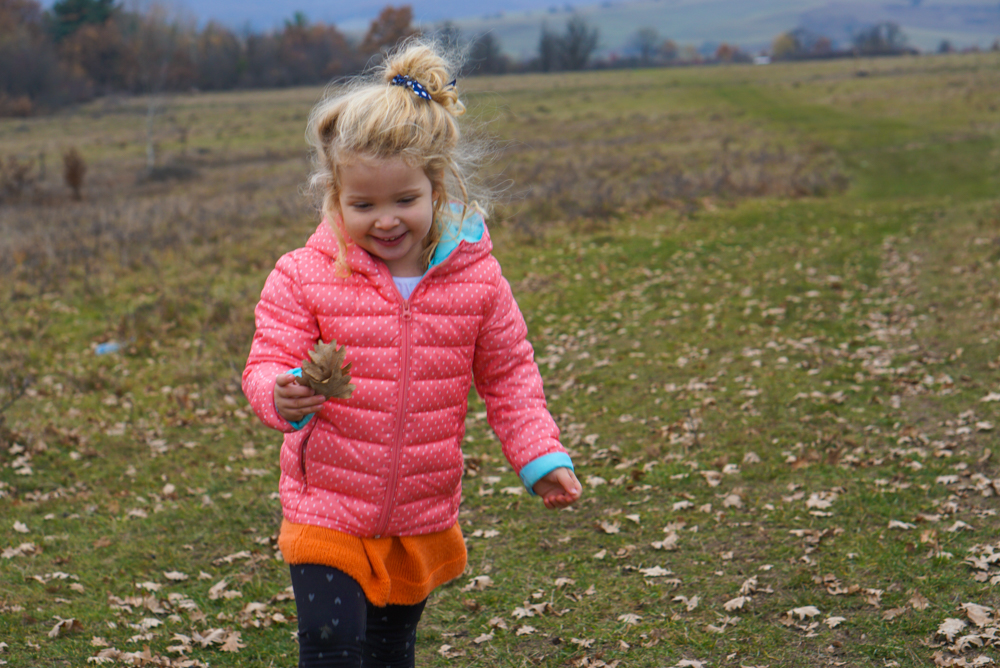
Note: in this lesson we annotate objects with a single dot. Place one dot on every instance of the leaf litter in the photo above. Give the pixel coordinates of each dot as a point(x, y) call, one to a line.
point(881, 458)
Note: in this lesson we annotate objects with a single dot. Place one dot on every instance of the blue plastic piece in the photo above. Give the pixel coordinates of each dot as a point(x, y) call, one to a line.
point(297, 372)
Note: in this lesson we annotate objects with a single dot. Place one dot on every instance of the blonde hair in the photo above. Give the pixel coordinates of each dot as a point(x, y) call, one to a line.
point(370, 117)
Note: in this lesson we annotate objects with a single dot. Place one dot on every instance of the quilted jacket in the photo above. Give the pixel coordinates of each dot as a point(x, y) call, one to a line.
point(388, 460)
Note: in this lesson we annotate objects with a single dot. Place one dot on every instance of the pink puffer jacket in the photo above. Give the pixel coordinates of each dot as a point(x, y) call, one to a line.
point(388, 461)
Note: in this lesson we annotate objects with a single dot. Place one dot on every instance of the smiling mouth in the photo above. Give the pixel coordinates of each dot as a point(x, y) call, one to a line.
point(391, 241)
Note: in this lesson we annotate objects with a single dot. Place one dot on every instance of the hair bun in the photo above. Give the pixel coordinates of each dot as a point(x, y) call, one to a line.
point(426, 63)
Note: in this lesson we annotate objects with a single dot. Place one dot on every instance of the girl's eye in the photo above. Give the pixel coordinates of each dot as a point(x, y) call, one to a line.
point(407, 200)
point(361, 205)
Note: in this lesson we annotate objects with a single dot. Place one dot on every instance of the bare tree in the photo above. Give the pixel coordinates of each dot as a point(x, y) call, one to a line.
point(155, 39)
point(578, 43)
point(646, 41)
point(881, 38)
point(549, 50)
point(485, 55)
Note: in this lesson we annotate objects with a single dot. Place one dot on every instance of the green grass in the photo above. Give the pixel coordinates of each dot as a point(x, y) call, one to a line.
point(772, 378)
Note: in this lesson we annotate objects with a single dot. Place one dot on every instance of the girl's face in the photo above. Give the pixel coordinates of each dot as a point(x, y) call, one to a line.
point(387, 208)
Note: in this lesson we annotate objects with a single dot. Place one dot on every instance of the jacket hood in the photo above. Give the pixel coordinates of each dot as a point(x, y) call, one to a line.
point(463, 241)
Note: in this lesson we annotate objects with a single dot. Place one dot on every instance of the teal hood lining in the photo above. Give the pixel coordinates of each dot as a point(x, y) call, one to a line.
point(471, 229)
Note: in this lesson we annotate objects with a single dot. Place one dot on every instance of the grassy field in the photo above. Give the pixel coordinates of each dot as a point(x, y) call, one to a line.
point(764, 300)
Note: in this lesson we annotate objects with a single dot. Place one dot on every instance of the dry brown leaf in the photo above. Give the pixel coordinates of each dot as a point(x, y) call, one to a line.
point(448, 652)
point(65, 626)
point(478, 583)
point(978, 614)
point(892, 613)
point(232, 643)
point(216, 590)
point(918, 602)
point(736, 603)
point(690, 603)
point(950, 627)
point(326, 373)
point(803, 612)
point(610, 527)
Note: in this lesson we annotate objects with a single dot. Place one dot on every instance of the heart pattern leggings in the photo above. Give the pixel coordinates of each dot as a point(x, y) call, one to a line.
point(339, 628)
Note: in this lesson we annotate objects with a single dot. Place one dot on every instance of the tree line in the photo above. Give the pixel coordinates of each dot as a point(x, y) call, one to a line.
point(80, 49)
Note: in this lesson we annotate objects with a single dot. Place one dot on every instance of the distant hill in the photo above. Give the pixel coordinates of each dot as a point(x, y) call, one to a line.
point(751, 24)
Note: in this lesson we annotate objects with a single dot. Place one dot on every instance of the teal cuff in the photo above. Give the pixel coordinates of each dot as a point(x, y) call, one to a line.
point(541, 467)
point(297, 372)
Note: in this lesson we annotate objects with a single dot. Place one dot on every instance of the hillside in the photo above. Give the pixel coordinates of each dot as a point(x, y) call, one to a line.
point(752, 25)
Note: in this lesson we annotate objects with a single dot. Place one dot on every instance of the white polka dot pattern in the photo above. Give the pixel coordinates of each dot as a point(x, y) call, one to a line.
point(463, 324)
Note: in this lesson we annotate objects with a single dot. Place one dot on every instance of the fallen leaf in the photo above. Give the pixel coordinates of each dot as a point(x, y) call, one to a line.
point(733, 501)
point(65, 626)
point(892, 613)
point(834, 622)
point(630, 618)
point(485, 637)
point(20, 527)
point(478, 583)
point(232, 643)
point(918, 602)
point(449, 653)
point(215, 591)
point(978, 614)
point(736, 603)
point(803, 612)
point(690, 603)
point(950, 627)
point(610, 527)
point(525, 630)
point(175, 576)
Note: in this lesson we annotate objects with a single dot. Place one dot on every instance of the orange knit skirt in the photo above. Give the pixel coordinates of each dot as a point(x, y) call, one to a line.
point(396, 570)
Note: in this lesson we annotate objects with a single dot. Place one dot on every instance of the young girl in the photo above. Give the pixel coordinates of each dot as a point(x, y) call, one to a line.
point(401, 276)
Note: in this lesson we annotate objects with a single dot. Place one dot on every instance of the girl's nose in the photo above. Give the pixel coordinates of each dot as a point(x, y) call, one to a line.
point(386, 221)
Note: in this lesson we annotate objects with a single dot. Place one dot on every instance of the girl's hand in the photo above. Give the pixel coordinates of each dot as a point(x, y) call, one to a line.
point(558, 489)
point(293, 401)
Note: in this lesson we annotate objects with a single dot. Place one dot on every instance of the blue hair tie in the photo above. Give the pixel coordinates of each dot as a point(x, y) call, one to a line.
point(407, 81)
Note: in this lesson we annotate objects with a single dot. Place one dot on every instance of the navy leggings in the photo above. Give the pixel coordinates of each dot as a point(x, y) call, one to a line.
point(339, 628)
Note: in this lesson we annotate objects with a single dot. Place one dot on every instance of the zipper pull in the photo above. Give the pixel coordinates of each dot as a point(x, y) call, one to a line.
point(406, 309)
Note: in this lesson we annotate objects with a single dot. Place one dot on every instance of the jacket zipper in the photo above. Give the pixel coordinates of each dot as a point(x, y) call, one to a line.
point(397, 442)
